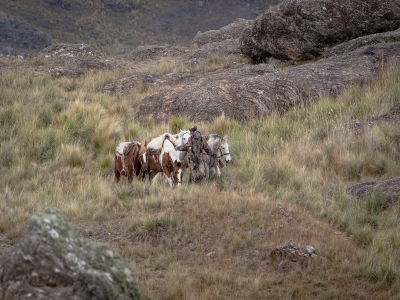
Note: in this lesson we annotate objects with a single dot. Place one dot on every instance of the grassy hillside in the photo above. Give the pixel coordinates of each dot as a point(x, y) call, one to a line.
point(212, 241)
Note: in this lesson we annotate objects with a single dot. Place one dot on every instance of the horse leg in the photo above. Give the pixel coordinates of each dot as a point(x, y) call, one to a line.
point(130, 174)
point(218, 171)
point(117, 176)
point(207, 167)
point(167, 175)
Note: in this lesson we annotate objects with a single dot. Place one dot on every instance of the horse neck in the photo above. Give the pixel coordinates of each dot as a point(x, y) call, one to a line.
point(169, 148)
point(215, 142)
point(155, 143)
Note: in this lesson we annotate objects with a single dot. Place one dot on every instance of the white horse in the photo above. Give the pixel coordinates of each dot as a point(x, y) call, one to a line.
point(157, 142)
point(219, 146)
point(170, 163)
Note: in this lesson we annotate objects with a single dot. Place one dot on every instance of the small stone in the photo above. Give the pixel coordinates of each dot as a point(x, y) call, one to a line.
point(210, 254)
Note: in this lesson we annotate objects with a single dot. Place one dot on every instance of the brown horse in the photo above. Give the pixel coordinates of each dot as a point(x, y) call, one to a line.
point(130, 159)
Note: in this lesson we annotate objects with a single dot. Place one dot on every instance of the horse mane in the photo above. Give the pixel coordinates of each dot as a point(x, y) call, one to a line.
point(157, 142)
point(214, 135)
point(122, 147)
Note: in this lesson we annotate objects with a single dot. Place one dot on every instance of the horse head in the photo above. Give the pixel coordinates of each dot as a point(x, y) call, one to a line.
point(224, 146)
point(182, 138)
point(219, 145)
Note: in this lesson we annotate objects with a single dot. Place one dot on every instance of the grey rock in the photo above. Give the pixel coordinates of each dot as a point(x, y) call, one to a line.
point(372, 39)
point(304, 30)
point(252, 91)
point(389, 190)
point(240, 93)
point(330, 76)
point(230, 31)
point(51, 262)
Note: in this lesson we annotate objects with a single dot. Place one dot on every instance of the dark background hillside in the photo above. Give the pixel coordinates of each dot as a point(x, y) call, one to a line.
point(115, 26)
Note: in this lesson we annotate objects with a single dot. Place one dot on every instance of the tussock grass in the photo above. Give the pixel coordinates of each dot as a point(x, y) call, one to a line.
point(213, 240)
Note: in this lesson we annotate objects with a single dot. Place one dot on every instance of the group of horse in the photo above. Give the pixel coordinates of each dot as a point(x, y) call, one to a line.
point(135, 159)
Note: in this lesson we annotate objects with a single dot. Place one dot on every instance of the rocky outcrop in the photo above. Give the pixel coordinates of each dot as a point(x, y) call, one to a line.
point(388, 189)
point(16, 36)
point(252, 91)
point(372, 39)
point(154, 52)
point(69, 51)
point(304, 30)
point(226, 48)
point(51, 262)
point(330, 76)
point(250, 48)
point(241, 93)
point(231, 31)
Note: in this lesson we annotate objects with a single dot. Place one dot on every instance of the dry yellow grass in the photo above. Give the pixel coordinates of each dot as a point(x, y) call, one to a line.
point(211, 241)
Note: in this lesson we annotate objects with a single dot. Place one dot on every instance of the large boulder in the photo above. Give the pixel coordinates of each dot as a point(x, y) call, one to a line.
point(51, 262)
point(250, 48)
point(242, 93)
point(304, 30)
point(372, 39)
point(330, 76)
point(252, 91)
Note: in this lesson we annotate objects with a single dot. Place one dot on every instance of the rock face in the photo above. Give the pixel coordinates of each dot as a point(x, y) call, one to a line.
point(21, 36)
point(389, 190)
point(241, 94)
point(331, 75)
point(303, 30)
point(372, 39)
point(230, 31)
point(252, 91)
point(50, 262)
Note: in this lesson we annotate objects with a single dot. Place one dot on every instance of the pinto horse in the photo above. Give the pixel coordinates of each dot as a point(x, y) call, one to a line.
point(130, 159)
point(154, 149)
point(170, 162)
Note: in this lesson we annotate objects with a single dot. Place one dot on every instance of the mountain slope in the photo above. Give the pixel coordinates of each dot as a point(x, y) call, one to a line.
point(117, 25)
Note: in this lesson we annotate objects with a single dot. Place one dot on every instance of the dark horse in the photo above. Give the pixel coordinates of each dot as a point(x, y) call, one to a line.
point(130, 159)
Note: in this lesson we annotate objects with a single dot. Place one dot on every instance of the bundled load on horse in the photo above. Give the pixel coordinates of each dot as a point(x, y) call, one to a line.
point(130, 159)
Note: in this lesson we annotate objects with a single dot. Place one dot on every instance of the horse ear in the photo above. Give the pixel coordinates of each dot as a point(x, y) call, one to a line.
point(225, 138)
point(145, 143)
